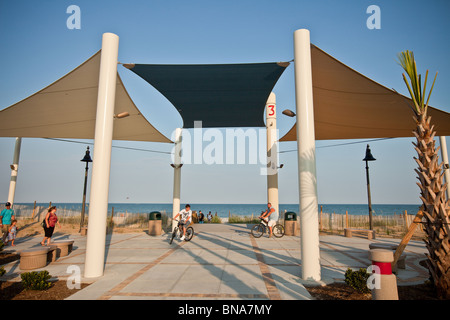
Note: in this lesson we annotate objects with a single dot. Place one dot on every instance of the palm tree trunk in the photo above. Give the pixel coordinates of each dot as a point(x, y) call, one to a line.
point(434, 205)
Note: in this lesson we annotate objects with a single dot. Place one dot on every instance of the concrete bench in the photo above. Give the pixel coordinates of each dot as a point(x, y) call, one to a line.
point(51, 254)
point(401, 261)
point(348, 232)
point(33, 258)
point(63, 247)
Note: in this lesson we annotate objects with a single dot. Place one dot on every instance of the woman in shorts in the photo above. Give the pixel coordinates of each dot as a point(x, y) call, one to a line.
point(50, 222)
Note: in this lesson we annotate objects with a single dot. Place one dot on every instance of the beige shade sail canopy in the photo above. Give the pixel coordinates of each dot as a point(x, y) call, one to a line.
point(348, 105)
point(67, 109)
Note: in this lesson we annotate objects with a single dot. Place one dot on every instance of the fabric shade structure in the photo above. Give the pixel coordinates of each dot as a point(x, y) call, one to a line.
point(219, 95)
point(67, 109)
point(348, 105)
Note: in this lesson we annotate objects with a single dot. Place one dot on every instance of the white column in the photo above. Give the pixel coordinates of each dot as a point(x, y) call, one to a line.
point(14, 171)
point(98, 206)
point(444, 154)
point(272, 151)
point(309, 225)
point(176, 175)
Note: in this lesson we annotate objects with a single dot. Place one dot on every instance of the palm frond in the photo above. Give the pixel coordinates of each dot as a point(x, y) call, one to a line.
point(429, 94)
point(414, 85)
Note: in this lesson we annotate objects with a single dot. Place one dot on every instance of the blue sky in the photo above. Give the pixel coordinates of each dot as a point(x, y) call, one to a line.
point(37, 48)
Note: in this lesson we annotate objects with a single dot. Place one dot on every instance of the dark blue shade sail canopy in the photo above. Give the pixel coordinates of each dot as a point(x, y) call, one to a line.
point(219, 95)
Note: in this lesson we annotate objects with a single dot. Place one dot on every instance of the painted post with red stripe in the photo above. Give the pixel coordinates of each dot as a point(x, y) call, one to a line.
point(381, 264)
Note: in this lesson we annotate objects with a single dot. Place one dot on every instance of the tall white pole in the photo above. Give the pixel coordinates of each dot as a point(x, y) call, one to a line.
point(309, 226)
point(14, 171)
point(444, 154)
point(176, 175)
point(98, 208)
point(272, 151)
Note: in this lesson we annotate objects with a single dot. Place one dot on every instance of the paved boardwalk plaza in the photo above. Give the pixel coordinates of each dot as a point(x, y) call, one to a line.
point(220, 262)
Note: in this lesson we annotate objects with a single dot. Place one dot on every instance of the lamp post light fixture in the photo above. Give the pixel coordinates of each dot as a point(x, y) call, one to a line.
point(288, 113)
point(87, 159)
point(121, 115)
point(369, 157)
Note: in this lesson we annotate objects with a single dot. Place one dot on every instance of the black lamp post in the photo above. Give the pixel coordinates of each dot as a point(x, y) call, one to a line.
point(87, 159)
point(369, 157)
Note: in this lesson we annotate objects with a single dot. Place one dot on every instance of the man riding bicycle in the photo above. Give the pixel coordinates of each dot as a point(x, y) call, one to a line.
point(271, 215)
point(185, 219)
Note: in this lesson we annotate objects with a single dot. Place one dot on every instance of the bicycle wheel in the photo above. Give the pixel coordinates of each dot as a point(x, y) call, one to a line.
point(174, 233)
point(278, 231)
point(189, 234)
point(257, 230)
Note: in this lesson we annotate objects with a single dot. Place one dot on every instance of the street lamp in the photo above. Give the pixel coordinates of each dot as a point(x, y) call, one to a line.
point(87, 159)
point(369, 157)
point(288, 113)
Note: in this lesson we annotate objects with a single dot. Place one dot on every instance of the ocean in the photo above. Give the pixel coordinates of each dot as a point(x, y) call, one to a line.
point(223, 210)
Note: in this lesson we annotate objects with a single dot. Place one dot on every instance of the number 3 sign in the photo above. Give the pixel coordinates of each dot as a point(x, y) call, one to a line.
point(271, 110)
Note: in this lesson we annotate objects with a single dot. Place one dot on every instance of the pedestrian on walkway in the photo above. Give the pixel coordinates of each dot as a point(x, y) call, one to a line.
point(50, 222)
point(12, 231)
point(6, 216)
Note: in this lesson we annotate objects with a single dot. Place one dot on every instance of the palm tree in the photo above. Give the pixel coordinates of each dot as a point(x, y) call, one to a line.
point(435, 208)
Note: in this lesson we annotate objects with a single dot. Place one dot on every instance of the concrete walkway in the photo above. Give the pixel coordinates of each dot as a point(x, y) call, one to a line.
point(221, 262)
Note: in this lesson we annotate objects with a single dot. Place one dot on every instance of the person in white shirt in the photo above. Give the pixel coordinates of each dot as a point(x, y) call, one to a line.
point(185, 219)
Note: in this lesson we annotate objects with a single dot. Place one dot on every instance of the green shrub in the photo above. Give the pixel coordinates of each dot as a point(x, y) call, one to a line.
point(216, 219)
point(36, 280)
point(241, 219)
point(1, 245)
point(357, 279)
point(2, 271)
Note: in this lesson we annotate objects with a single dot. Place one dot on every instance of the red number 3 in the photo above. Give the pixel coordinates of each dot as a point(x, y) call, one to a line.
point(271, 112)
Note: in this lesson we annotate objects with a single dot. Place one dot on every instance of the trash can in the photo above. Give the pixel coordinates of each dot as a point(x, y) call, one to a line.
point(290, 216)
point(154, 223)
point(291, 227)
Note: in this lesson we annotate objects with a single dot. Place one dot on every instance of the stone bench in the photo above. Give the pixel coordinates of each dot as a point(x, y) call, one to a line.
point(51, 254)
point(63, 247)
point(387, 246)
point(33, 258)
point(348, 232)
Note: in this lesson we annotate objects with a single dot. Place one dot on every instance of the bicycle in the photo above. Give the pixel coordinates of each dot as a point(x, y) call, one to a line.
point(259, 229)
point(187, 236)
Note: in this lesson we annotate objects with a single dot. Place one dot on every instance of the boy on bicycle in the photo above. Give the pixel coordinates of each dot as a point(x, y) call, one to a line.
point(185, 218)
point(272, 215)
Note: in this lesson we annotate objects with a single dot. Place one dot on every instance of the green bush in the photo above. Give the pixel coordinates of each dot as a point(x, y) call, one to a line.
point(36, 280)
point(1, 245)
point(2, 271)
point(216, 219)
point(240, 219)
point(357, 279)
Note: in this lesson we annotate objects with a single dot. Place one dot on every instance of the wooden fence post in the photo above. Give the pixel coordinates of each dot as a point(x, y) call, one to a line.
point(320, 223)
point(346, 219)
point(34, 210)
point(112, 214)
point(405, 216)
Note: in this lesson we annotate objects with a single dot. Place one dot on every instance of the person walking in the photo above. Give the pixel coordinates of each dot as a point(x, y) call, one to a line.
point(50, 222)
point(6, 216)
